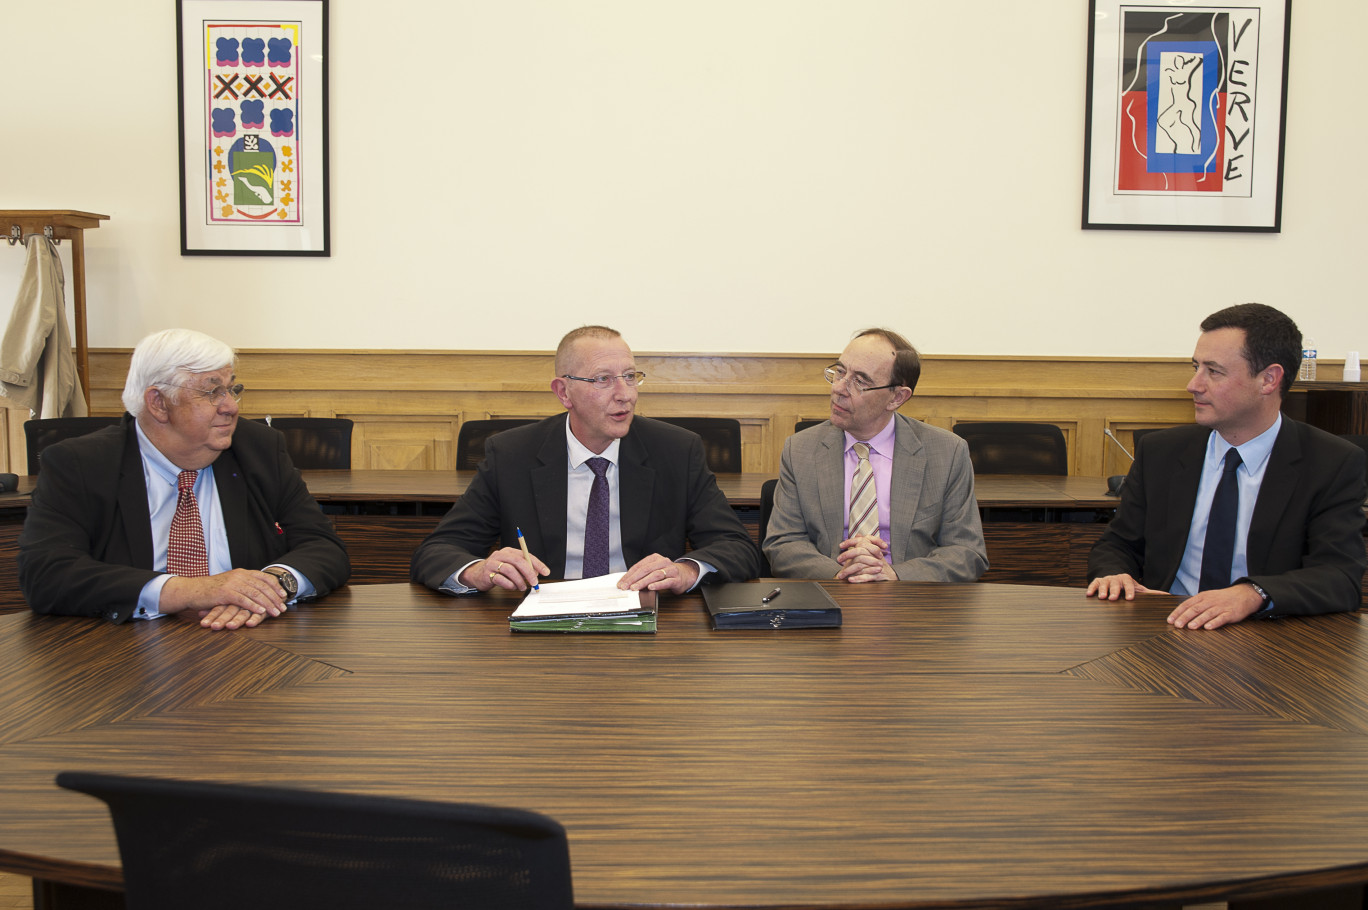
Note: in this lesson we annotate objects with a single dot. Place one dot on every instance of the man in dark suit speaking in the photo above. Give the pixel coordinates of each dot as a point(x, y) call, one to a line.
point(596, 490)
point(179, 508)
point(1248, 513)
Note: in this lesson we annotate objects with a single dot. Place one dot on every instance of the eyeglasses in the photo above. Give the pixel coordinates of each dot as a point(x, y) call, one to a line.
point(606, 380)
point(837, 372)
point(215, 395)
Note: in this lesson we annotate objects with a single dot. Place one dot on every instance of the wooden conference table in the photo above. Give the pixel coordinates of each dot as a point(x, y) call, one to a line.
point(955, 746)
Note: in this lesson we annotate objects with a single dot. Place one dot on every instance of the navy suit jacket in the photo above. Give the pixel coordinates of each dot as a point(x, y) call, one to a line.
point(86, 547)
point(1305, 544)
point(667, 494)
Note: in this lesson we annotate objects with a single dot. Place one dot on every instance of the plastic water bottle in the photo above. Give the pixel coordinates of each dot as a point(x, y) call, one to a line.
point(1307, 373)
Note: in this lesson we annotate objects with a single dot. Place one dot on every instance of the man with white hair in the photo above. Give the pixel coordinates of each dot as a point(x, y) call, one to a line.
point(181, 507)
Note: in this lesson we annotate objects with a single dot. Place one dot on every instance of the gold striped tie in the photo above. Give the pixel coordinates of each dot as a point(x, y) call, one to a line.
point(864, 505)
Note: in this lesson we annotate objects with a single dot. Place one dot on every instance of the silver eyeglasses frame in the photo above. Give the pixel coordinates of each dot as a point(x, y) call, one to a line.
point(605, 381)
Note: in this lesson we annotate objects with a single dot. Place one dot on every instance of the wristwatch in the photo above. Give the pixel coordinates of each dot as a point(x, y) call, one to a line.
point(287, 580)
point(1258, 589)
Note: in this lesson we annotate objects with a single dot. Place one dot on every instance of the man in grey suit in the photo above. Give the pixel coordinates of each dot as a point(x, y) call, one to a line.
point(871, 495)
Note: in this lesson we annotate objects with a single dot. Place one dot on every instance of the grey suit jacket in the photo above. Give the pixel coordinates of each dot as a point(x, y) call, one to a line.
point(936, 531)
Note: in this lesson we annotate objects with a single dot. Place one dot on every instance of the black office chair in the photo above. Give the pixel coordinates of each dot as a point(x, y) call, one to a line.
point(1137, 435)
point(471, 438)
point(802, 425)
point(721, 440)
point(766, 510)
point(214, 845)
point(44, 431)
point(316, 443)
point(1015, 448)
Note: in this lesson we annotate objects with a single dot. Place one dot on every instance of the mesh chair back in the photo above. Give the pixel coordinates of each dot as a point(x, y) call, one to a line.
point(471, 438)
point(1015, 448)
point(316, 443)
point(211, 846)
point(766, 505)
point(766, 510)
point(721, 440)
point(43, 432)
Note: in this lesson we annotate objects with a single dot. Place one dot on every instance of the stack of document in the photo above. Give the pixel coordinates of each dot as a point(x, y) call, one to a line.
point(585, 605)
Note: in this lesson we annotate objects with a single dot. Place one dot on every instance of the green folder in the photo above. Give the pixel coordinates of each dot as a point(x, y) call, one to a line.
point(641, 621)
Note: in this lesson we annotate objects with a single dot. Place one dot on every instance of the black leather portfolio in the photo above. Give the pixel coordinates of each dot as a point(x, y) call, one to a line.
point(771, 604)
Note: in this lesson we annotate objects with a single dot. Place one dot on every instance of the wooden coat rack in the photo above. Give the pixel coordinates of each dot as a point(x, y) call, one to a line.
point(62, 224)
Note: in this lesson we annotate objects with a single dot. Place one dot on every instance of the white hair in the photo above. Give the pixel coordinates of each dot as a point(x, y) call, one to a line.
point(160, 359)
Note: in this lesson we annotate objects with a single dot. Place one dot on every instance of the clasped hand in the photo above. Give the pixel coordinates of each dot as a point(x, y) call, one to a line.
point(863, 559)
point(238, 598)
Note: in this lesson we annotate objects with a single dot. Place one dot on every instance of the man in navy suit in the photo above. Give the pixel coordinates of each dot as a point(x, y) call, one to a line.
point(1295, 496)
point(97, 537)
point(540, 479)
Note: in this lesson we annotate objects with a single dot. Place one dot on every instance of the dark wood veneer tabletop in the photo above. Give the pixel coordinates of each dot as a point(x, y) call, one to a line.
point(950, 746)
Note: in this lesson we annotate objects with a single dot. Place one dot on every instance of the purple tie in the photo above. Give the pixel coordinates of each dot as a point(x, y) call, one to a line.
point(596, 522)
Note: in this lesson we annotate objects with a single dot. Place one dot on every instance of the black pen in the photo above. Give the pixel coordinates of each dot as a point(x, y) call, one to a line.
point(770, 596)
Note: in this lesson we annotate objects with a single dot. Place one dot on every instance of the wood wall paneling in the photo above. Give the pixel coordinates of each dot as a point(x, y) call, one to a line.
point(408, 406)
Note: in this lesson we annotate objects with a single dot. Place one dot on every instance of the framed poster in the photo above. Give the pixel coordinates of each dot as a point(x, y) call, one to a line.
point(1186, 115)
point(253, 127)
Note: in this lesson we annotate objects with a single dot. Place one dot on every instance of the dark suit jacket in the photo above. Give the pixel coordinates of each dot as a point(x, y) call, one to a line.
point(666, 491)
point(86, 547)
point(1305, 543)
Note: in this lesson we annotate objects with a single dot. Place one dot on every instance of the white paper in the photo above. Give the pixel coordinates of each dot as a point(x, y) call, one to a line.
point(579, 597)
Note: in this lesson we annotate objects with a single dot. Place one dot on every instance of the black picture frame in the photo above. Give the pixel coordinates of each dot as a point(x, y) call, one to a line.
point(1186, 116)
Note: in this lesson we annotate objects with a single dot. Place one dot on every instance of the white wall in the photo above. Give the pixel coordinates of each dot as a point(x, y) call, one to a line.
point(716, 175)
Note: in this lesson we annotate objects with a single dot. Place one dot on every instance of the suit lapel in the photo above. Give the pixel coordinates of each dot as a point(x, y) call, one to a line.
point(549, 489)
point(132, 495)
point(1182, 499)
point(636, 483)
point(909, 471)
point(233, 506)
point(831, 485)
point(1275, 492)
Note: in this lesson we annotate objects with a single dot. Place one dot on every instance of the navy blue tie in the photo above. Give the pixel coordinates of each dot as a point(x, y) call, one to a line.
point(596, 522)
point(1219, 550)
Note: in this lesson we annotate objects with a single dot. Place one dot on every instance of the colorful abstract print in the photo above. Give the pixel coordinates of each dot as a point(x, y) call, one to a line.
point(253, 105)
point(1186, 122)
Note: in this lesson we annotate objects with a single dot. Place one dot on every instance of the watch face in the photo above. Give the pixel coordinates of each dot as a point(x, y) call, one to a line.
point(287, 581)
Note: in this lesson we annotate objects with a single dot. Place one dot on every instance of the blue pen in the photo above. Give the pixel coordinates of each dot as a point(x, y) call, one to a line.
point(522, 542)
